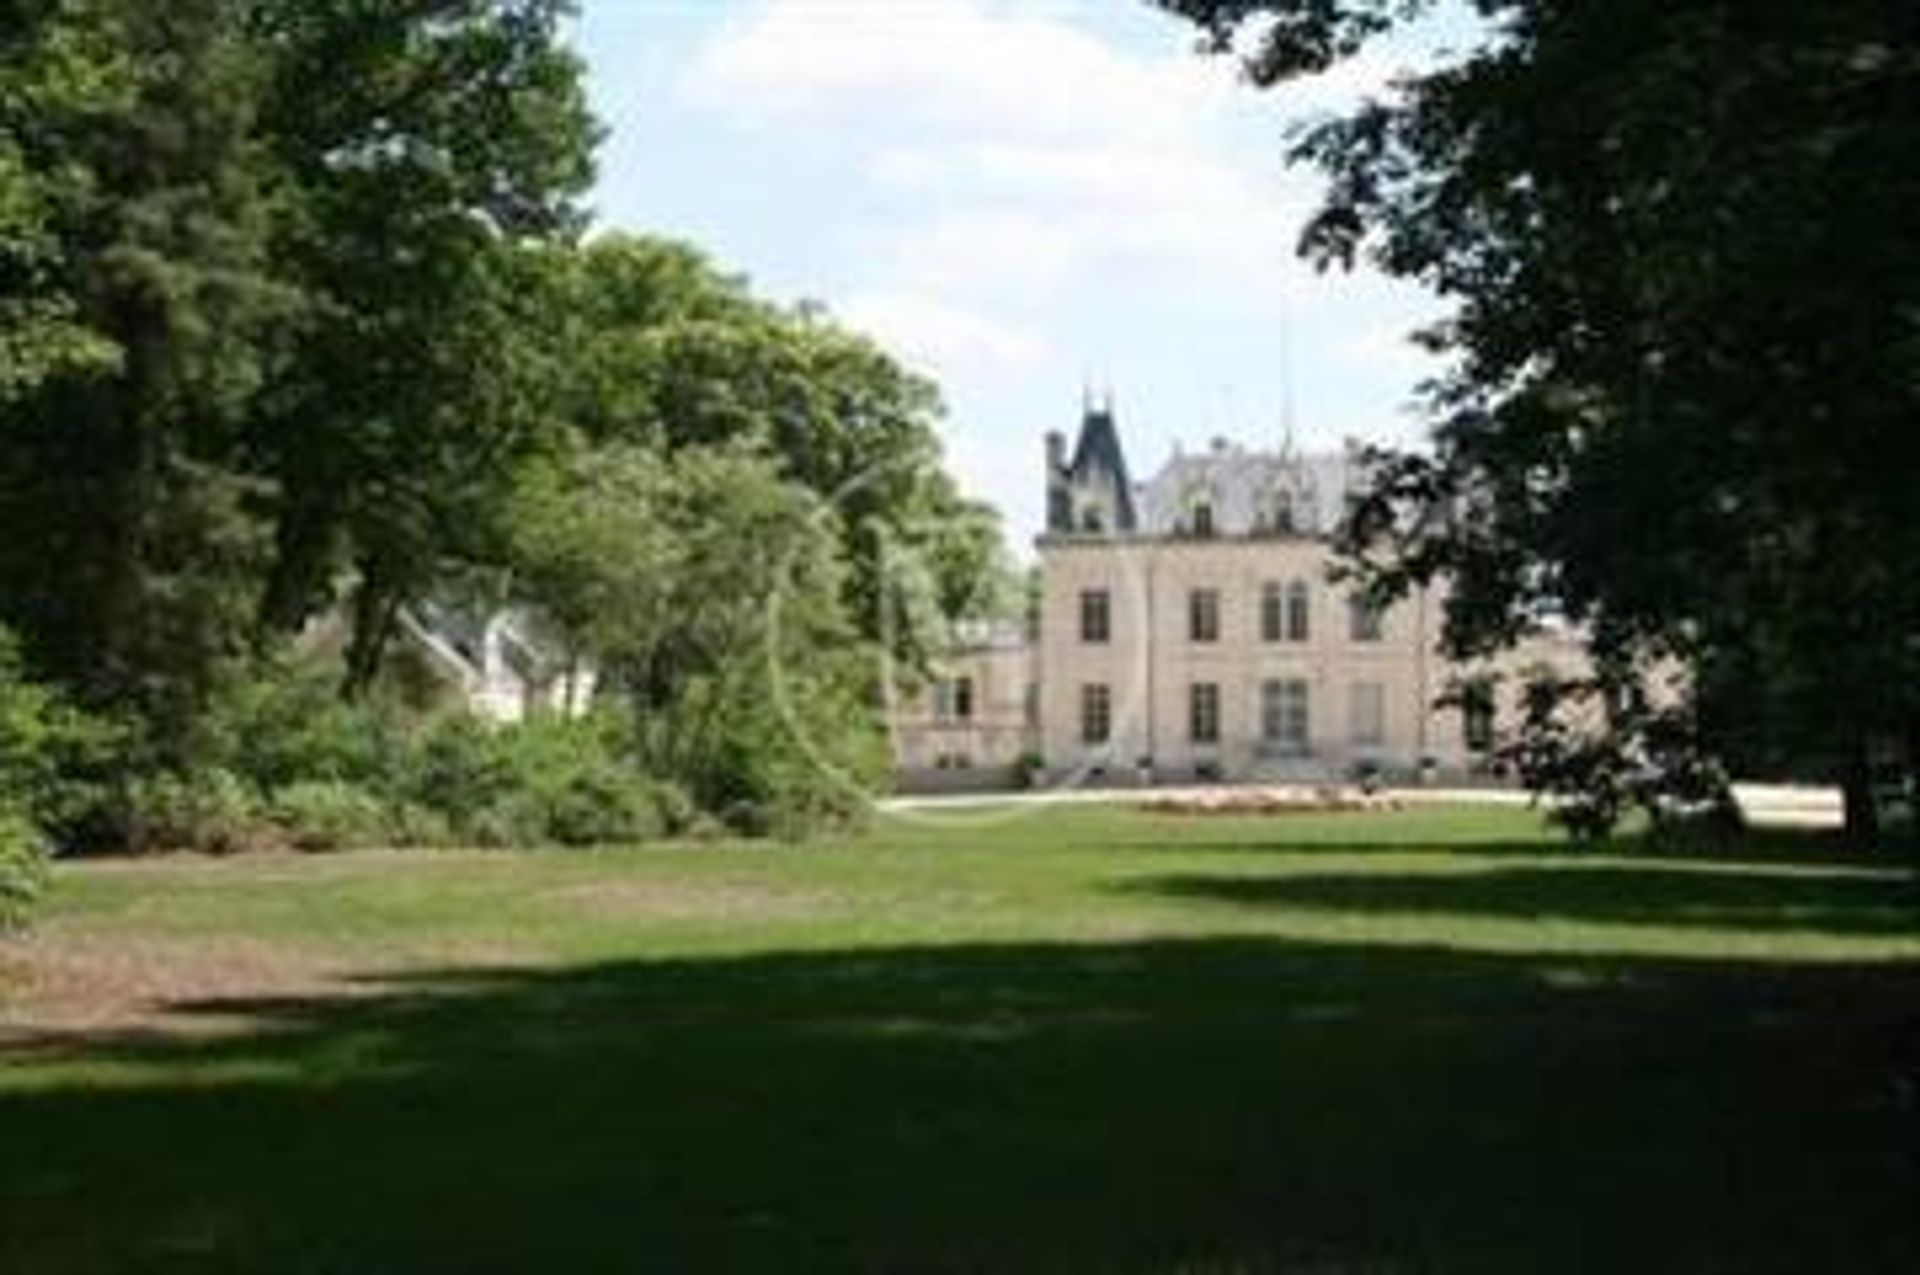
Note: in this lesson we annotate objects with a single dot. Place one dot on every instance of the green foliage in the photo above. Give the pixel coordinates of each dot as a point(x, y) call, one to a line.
point(207, 812)
point(285, 722)
point(54, 759)
point(549, 781)
point(23, 868)
point(295, 324)
point(673, 355)
point(745, 677)
point(329, 814)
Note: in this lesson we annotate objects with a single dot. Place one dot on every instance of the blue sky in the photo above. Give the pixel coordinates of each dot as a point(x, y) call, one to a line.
point(1018, 197)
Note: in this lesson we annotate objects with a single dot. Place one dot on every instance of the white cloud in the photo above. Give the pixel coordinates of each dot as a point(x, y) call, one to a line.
point(1016, 178)
point(964, 65)
point(1019, 153)
point(932, 333)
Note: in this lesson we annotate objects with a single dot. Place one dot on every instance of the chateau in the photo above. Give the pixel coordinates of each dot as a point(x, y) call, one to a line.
point(1188, 629)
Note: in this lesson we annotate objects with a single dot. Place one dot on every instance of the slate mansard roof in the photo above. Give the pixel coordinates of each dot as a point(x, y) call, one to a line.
point(1098, 456)
point(1278, 492)
point(1247, 491)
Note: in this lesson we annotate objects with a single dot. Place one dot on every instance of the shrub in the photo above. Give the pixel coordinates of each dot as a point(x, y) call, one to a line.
point(786, 765)
point(54, 759)
point(328, 814)
point(416, 827)
point(602, 807)
point(456, 767)
point(549, 781)
point(211, 811)
point(285, 723)
point(23, 868)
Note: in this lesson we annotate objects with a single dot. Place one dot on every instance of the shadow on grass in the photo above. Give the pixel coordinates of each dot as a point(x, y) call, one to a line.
point(1199, 1105)
point(1758, 847)
point(1657, 894)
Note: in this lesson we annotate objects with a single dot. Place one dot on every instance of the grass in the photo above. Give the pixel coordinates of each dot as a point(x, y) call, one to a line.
point(1083, 1040)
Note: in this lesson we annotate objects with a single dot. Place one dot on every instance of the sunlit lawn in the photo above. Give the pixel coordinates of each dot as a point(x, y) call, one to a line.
point(1076, 1040)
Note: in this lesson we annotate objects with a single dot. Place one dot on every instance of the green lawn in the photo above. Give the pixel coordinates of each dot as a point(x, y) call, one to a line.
point(1081, 1040)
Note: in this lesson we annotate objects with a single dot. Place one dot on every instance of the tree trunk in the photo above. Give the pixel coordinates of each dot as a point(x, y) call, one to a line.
point(375, 610)
point(304, 544)
point(1861, 812)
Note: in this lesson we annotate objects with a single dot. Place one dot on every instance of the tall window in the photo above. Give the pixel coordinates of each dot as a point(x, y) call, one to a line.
point(1363, 620)
point(1283, 714)
point(1298, 610)
point(1203, 712)
point(1203, 615)
point(1273, 612)
point(1476, 715)
point(1096, 615)
point(1202, 519)
point(953, 699)
point(1096, 713)
point(1367, 714)
point(1280, 511)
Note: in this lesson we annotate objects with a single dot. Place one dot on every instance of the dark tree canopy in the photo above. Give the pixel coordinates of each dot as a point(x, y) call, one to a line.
point(1681, 239)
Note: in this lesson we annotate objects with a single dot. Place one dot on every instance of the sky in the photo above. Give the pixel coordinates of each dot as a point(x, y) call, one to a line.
point(1023, 199)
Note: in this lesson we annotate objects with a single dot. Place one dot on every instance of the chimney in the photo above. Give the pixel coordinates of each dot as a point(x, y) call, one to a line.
point(1059, 501)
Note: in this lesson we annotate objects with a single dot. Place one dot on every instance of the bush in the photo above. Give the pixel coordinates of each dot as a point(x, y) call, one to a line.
point(785, 765)
point(549, 781)
point(211, 812)
point(285, 723)
point(54, 759)
point(602, 807)
point(456, 767)
point(23, 868)
point(328, 814)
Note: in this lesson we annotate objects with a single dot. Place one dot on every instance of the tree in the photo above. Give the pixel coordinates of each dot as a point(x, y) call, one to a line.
point(435, 152)
point(275, 314)
point(1679, 242)
point(674, 354)
point(139, 241)
point(709, 590)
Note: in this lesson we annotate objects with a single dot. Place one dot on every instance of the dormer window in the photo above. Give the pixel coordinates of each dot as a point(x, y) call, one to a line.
point(1093, 513)
point(1280, 512)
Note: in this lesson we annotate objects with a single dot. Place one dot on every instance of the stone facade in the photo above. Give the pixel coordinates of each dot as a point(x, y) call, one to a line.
point(970, 724)
point(1189, 629)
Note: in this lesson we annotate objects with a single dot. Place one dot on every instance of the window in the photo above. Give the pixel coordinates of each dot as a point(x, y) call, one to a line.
point(1202, 520)
point(1096, 615)
point(953, 699)
point(1096, 713)
point(1280, 514)
point(1283, 714)
point(1476, 715)
point(1273, 610)
point(1298, 607)
point(1203, 615)
point(1032, 704)
point(1363, 620)
point(1367, 713)
point(1203, 712)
